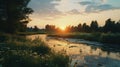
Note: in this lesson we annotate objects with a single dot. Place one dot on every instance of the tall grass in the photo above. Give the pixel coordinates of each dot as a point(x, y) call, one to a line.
point(110, 38)
point(18, 51)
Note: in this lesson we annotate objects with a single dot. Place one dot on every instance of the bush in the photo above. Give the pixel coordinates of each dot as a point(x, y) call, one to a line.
point(41, 49)
point(110, 38)
point(4, 37)
point(30, 53)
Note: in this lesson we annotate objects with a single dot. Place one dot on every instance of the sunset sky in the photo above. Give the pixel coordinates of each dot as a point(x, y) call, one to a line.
point(72, 12)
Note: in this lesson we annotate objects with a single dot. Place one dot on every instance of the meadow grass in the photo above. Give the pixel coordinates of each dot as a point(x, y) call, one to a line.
point(17, 51)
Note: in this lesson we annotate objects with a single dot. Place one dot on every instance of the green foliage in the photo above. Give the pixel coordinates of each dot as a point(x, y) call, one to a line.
point(4, 37)
point(40, 47)
point(60, 62)
point(18, 59)
point(16, 15)
point(21, 52)
point(111, 38)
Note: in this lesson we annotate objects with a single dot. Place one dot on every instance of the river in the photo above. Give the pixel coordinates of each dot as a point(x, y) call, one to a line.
point(83, 53)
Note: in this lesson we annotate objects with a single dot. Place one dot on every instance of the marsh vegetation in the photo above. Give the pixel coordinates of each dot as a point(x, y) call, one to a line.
point(17, 51)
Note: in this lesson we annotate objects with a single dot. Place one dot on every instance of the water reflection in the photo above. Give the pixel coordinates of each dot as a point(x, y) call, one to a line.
point(84, 54)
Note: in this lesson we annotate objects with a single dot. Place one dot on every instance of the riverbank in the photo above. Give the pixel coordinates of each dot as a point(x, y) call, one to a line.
point(29, 33)
point(18, 51)
point(110, 38)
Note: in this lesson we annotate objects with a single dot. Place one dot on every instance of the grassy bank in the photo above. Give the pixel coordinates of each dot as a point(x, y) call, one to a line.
point(30, 33)
point(17, 51)
point(111, 38)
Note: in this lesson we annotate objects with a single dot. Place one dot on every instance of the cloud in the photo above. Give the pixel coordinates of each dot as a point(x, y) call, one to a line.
point(56, 8)
point(74, 11)
point(67, 5)
point(83, 6)
point(44, 8)
point(85, 3)
point(103, 1)
point(92, 6)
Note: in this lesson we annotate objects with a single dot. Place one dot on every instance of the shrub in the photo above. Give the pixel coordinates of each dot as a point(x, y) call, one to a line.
point(110, 38)
point(30, 53)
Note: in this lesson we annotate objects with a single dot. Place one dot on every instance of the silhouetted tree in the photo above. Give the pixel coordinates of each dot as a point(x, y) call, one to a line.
point(109, 25)
point(47, 27)
point(79, 27)
point(100, 29)
point(35, 28)
point(85, 28)
point(2, 15)
point(68, 28)
point(94, 26)
point(73, 29)
point(50, 28)
point(117, 25)
point(29, 29)
point(17, 15)
point(2, 27)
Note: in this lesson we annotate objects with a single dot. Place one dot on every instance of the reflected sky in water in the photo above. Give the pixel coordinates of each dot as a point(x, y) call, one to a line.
point(84, 55)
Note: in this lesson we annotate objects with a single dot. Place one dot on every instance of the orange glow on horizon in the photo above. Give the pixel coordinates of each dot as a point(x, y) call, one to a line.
point(62, 28)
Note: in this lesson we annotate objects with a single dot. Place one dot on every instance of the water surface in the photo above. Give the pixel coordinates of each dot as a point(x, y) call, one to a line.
point(84, 53)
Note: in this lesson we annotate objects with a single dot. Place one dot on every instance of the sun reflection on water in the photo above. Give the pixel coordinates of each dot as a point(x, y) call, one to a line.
point(82, 53)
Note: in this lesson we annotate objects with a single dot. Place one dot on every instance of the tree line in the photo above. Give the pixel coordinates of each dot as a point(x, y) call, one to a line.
point(110, 26)
point(14, 17)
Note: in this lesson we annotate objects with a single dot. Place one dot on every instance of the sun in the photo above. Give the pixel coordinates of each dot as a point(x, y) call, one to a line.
point(62, 28)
